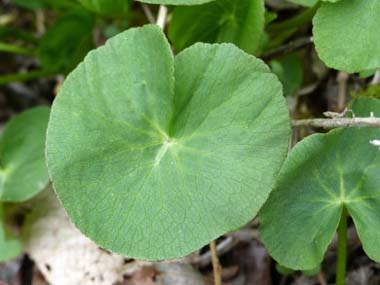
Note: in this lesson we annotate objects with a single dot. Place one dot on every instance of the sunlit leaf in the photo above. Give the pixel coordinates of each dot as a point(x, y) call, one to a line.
point(153, 156)
point(23, 170)
point(323, 173)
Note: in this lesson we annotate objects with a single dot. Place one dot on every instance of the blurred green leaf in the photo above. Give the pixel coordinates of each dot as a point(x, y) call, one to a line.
point(176, 2)
point(66, 43)
point(307, 3)
point(347, 34)
point(39, 4)
point(284, 270)
point(10, 247)
point(313, 271)
point(23, 170)
point(115, 8)
point(289, 71)
point(235, 21)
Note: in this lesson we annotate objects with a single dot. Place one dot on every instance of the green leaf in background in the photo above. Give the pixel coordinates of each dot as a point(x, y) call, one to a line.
point(323, 174)
point(153, 157)
point(66, 43)
point(310, 3)
point(40, 4)
point(307, 3)
point(235, 21)
point(30, 4)
point(289, 71)
point(176, 2)
point(346, 34)
point(23, 170)
point(115, 8)
point(9, 246)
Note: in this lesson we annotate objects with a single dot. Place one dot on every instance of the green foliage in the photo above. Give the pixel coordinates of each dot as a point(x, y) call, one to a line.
point(66, 43)
point(166, 154)
point(289, 71)
point(235, 21)
point(370, 91)
point(346, 34)
point(30, 4)
point(39, 4)
point(313, 271)
point(284, 270)
point(307, 3)
point(23, 170)
point(323, 174)
point(9, 246)
point(177, 2)
point(115, 8)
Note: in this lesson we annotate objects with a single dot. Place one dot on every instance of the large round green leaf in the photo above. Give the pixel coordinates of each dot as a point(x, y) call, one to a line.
point(23, 170)
point(323, 173)
point(154, 157)
point(114, 8)
point(346, 34)
point(235, 21)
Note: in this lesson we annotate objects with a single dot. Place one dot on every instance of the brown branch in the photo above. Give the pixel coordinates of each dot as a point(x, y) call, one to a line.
point(288, 48)
point(216, 264)
point(370, 122)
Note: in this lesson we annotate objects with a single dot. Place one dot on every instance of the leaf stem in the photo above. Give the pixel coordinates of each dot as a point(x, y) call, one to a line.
point(342, 249)
point(4, 47)
point(287, 48)
point(371, 122)
point(161, 17)
point(9, 78)
point(148, 13)
point(215, 264)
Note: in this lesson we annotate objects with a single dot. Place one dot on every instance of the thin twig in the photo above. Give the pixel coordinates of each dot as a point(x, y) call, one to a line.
point(370, 122)
point(161, 18)
point(288, 48)
point(216, 264)
point(321, 278)
point(148, 13)
point(221, 248)
point(232, 239)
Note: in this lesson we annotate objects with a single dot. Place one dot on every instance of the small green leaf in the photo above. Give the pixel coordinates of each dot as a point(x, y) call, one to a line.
point(176, 2)
point(323, 173)
point(346, 34)
point(289, 71)
point(235, 21)
point(153, 156)
point(10, 247)
point(115, 8)
point(66, 43)
point(23, 170)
